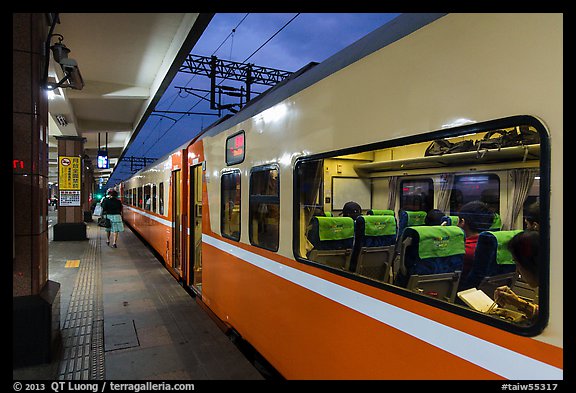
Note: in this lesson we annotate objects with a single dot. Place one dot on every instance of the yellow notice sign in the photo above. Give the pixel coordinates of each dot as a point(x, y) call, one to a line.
point(69, 172)
point(72, 263)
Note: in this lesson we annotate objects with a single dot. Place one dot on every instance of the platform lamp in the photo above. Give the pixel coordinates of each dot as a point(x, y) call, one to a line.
point(72, 77)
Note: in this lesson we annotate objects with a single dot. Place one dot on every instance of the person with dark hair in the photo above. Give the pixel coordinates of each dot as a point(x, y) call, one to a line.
point(473, 217)
point(532, 217)
point(434, 217)
point(524, 248)
point(351, 209)
point(112, 209)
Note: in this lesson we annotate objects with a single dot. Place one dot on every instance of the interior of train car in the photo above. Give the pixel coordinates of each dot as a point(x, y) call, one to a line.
point(394, 244)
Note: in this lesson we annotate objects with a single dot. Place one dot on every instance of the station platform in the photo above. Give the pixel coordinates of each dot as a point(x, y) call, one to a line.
point(124, 317)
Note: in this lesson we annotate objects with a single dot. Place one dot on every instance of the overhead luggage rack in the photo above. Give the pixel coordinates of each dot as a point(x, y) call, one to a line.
point(483, 156)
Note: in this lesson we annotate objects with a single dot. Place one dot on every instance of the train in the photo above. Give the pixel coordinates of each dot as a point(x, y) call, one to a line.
point(248, 214)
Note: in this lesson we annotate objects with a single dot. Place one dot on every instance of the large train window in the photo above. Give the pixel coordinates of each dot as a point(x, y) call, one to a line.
point(264, 211)
point(230, 205)
point(482, 192)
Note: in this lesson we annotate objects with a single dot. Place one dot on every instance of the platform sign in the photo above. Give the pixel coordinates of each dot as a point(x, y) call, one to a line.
point(69, 173)
point(69, 198)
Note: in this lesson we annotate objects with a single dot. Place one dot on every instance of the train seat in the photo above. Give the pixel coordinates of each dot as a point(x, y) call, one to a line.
point(332, 238)
point(410, 218)
point(374, 243)
point(449, 220)
point(497, 224)
point(380, 212)
point(491, 258)
point(425, 250)
point(443, 286)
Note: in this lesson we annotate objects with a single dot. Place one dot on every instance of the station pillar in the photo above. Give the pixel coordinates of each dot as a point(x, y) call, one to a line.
point(70, 224)
point(36, 299)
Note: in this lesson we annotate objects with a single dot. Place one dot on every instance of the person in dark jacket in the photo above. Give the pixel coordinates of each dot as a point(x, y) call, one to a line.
point(112, 209)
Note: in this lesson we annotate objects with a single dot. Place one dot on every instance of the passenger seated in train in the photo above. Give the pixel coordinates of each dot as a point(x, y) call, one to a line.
point(351, 209)
point(434, 217)
point(532, 217)
point(473, 217)
point(524, 248)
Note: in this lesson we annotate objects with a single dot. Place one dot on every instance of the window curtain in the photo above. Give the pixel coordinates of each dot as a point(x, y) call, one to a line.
point(522, 180)
point(444, 192)
point(392, 192)
point(311, 176)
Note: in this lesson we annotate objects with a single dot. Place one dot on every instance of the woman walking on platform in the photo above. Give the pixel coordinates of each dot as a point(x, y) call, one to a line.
point(112, 209)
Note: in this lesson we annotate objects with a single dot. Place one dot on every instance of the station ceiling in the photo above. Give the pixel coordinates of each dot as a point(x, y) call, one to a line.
point(127, 60)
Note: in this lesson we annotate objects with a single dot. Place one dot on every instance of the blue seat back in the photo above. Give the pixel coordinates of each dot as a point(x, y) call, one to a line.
point(491, 257)
point(410, 218)
point(374, 231)
point(331, 233)
point(449, 220)
point(433, 250)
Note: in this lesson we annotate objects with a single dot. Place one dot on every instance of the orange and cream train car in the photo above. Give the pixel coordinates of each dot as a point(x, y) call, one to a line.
point(241, 214)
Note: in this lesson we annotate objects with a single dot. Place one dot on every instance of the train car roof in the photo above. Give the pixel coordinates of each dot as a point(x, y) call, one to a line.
point(397, 28)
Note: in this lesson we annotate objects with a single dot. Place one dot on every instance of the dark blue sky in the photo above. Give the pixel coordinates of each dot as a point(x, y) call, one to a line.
point(297, 40)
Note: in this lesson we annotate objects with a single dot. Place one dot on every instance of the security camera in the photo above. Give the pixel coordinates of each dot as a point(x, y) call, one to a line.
point(71, 70)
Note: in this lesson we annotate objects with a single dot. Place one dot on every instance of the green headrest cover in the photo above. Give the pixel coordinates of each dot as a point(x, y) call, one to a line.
point(416, 218)
point(379, 212)
point(379, 225)
point(439, 241)
point(503, 255)
point(453, 220)
point(335, 228)
point(497, 224)
point(328, 214)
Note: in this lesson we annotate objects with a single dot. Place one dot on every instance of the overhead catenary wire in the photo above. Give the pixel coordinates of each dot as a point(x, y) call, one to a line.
point(177, 94)
point(245, 60)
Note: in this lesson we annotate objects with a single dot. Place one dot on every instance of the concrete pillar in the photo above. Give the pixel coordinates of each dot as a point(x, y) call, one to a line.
point(70, 224)
point(36, 300)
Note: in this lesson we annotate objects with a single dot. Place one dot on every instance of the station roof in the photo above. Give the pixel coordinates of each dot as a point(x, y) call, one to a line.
point(127, 60)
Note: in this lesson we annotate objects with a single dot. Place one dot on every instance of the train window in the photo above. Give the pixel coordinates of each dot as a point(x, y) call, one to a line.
point(154, 197)
point(230, 205)
point(235, 148)
point(139, 199)
point(161, 198)
point(147, 197)
point(504, 179)
point(417, 194)
point(264, 211)
point(467, 188)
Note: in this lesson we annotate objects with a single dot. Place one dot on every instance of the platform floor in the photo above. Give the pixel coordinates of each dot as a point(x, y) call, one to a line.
point(124, 317)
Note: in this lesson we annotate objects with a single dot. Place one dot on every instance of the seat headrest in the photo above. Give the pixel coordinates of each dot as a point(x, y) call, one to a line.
point(501, 239)
point(415, 217)
point(438, 241)
point(497, 223)
point(379, 225)
point(335, 228)
point(380, 212)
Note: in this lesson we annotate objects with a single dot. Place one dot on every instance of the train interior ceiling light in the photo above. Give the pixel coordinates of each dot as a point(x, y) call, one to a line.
point(69, 66)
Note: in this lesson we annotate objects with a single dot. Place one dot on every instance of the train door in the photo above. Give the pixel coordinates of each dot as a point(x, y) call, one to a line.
point(176, 221)
point(195, 238)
